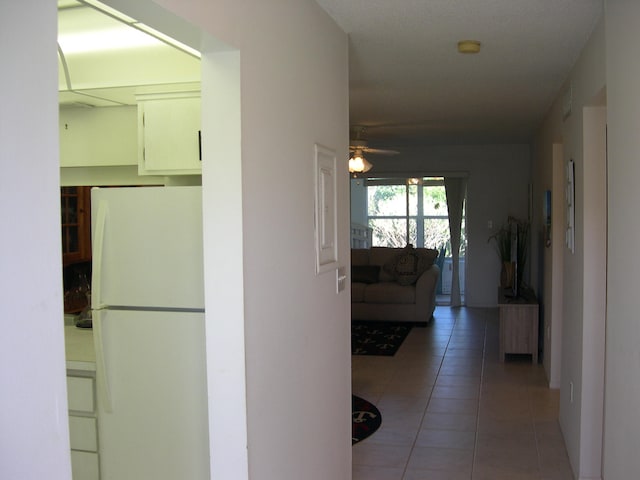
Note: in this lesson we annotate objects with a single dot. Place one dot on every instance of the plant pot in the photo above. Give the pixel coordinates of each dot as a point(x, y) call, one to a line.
point(507, 274)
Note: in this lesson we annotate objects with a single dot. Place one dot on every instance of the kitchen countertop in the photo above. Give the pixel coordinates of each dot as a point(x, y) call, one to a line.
point(80, 353)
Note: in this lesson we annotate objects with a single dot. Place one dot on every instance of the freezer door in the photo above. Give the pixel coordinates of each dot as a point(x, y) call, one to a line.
point(147, 247)
point(152, 395)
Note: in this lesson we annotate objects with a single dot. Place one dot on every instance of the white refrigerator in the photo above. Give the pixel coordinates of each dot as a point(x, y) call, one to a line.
point(148, 324)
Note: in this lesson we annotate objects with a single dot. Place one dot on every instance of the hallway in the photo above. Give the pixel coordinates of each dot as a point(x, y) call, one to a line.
point(450, 410)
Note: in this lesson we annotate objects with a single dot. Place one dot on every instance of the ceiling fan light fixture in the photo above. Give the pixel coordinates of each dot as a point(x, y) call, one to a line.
point(359, 164)
point(469, 46)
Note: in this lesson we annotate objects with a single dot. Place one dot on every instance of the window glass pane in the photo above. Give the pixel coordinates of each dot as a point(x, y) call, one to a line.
point(435, 201)
point(413, 200)
point(388, 232)
point(436, 234)
point(386, 200)
point(413, 232)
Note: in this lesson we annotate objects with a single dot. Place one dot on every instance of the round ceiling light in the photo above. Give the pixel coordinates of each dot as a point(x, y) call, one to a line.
point(468, 46)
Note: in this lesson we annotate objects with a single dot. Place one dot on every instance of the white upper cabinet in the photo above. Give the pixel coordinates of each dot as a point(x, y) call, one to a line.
point(98, 137)
point(169, 135)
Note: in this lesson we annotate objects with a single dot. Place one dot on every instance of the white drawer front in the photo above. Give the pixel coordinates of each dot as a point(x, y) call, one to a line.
point(84, 466)
point(80, 392)
point(82, 432)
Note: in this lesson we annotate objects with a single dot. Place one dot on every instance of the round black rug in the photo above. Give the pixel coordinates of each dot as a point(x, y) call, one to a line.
point(365, 419)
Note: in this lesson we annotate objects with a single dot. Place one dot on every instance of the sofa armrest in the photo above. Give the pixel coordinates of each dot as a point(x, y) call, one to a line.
point(426, 292)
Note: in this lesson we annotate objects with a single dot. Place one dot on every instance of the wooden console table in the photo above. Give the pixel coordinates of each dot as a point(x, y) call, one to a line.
point(518, 324)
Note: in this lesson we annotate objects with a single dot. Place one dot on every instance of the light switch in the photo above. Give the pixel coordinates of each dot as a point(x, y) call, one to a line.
point(341, 279)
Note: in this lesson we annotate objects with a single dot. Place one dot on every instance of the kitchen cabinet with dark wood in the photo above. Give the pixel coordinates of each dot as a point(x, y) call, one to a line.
point(76, 224)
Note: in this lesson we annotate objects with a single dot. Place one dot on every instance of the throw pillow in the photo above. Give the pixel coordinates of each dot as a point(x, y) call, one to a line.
point(365, 273)
point(428, 255)
point(407, 266)
point(403, 267)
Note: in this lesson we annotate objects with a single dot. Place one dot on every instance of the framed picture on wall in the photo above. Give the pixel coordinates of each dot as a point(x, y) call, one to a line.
point(546, 218)
point(571, 200)
point(326, 221)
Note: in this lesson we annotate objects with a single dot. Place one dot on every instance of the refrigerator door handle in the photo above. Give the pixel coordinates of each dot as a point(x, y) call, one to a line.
point(104, 391)
point(98, 249)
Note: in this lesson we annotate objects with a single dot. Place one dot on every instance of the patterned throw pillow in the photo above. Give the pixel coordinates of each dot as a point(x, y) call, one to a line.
point(407, 266)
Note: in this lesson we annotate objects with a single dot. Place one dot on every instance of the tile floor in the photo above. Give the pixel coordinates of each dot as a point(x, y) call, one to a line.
point(451, 411)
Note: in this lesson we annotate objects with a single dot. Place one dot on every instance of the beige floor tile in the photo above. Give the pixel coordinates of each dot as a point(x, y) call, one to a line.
point(450, 421)
point(403, 403)
point(365, 472)
point(446, 439)
point(434, 475)
point(514, 457)
point(453, 405)
point(504, 473)
point(469, 371)
point(407, 386)
point(467, 392)
point(451, 410)
point(375, 455)
point(449, 459)
point(454, 380)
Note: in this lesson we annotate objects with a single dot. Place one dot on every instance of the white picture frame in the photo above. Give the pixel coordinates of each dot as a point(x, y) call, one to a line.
point(326, 214)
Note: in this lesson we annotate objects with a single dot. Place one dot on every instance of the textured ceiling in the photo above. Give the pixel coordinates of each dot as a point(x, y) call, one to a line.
point(408, 83)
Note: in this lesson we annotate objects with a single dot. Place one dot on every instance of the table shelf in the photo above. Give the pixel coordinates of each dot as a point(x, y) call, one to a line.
point(518, 324)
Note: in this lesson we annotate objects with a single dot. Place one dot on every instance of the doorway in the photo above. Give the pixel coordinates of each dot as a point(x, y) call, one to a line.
point(401, 211)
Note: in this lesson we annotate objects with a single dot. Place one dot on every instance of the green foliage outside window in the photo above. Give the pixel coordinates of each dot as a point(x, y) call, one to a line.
point(387, 209)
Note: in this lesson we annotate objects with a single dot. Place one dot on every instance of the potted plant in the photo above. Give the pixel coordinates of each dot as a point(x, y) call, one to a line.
point(503, 241)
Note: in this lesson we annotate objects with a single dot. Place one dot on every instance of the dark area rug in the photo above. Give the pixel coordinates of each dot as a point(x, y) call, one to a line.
point(365, 419)
point(377, 338)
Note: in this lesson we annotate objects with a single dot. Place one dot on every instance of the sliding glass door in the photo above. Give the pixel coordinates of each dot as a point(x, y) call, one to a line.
point(414, 210)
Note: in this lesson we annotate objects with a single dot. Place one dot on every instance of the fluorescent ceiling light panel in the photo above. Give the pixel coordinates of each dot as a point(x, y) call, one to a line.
point(165, 38)
point(97, 27)
point(114, 38)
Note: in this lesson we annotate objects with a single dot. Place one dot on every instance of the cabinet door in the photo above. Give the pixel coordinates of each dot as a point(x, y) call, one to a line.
point(76, 224)
point(95, 137)
point(83, 433)
point(170, 136)
point(84, 465)
point(80, 394)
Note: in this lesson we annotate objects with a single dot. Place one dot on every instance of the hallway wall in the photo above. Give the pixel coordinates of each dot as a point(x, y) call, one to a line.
point(622, 395)
point(580, 130)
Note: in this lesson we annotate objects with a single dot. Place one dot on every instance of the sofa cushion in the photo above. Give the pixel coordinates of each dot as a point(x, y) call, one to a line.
point(428, 255)
point(407, 265)
point(365, 273)
point(389, 292)
point(357, 292)
point(380, 256)
point(360, 256)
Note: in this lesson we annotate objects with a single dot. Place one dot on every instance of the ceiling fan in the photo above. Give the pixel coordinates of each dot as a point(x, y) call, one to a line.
point(358, 147)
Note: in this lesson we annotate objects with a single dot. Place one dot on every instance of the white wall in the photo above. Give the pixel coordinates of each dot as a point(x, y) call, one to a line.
point(582, 137)
point(498, 182)
point(549, 174)
point(34, 437)
point(622, 396)
point(285, 329)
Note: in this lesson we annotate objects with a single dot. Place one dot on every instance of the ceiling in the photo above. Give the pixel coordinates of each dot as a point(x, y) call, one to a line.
point(409, 85)
point(106, 61)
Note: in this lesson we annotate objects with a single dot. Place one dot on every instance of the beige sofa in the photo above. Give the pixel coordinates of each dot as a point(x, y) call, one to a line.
point(393, 284)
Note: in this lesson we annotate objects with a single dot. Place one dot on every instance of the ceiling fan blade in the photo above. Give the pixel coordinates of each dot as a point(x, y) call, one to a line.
point(381, 151)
